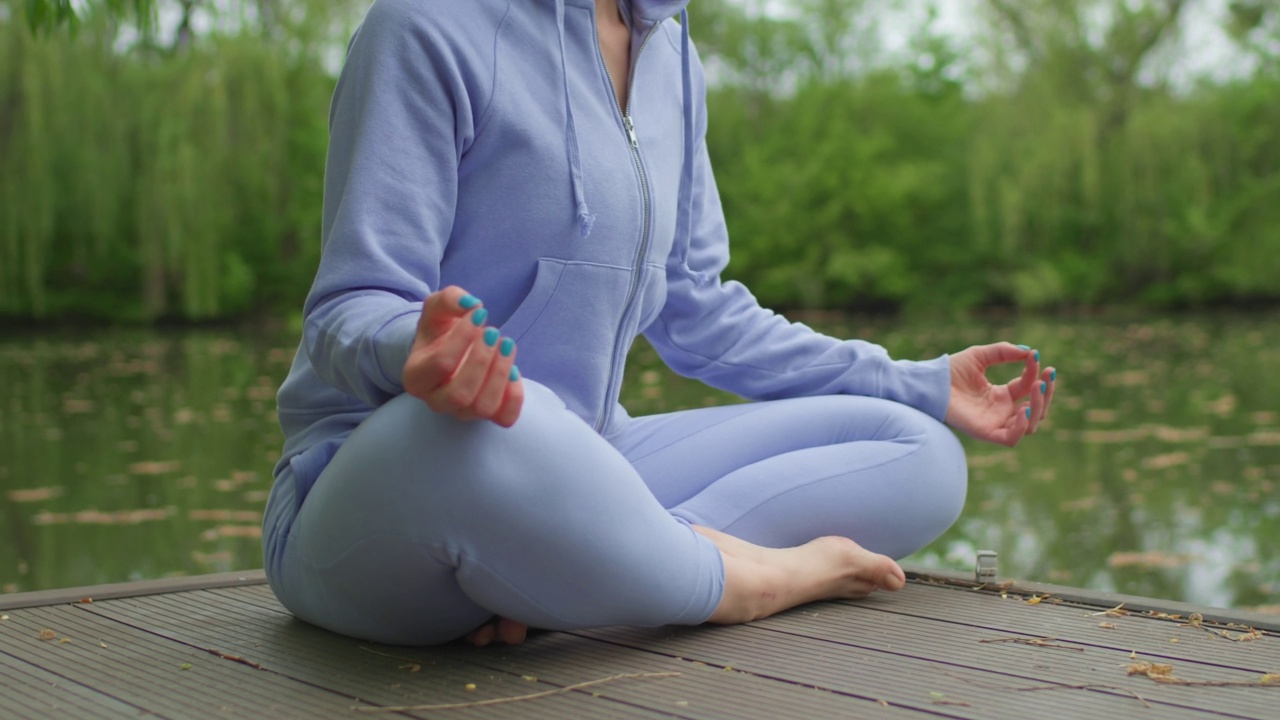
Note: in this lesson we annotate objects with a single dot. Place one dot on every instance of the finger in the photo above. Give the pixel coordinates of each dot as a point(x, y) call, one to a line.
point(494, 389)
point(1050, 376)
point(1038, 396)
point(458, 393)
point(1022, 385)
point(443, 308)
point(1015, 428)
point(432, 365)
point(510, 410)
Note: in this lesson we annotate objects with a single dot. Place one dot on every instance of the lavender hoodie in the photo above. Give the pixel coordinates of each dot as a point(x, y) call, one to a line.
point(479, 143)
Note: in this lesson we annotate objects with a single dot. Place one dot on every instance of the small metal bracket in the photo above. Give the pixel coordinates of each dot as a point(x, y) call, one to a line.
point(985, 569)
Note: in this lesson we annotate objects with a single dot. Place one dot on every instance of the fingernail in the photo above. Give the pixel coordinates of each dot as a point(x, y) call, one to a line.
point(1053, 375)
point(1024, 347)
point(468, 301)
point(1043, 386)
point(1037, 356)
point(478, 317)
point(491, 337)
point(1028, 413)
point(507, 346)
point(515, 373)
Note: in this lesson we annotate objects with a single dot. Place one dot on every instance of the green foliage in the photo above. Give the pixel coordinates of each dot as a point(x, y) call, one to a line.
point(157, 183)
point(1050, 162)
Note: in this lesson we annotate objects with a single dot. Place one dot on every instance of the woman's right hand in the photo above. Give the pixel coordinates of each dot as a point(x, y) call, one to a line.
point(460, 367)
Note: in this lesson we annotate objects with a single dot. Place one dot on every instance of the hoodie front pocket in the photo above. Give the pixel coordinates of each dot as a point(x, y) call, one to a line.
point(565, 330)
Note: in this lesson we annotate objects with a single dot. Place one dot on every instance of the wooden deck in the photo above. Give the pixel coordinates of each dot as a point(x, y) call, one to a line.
point(222, 646)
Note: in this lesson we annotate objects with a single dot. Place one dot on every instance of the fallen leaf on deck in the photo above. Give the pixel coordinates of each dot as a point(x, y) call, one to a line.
point(1107, 625)
point(412, 667)
point(1159, 672)
point(185, 666)
point(47, 634)
point(469, 687)
point(530, 678)
point(1118, 611)
point(1270, 679)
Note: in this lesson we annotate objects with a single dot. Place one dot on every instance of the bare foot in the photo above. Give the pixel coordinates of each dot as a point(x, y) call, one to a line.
point(762, 581)
point(507, 632)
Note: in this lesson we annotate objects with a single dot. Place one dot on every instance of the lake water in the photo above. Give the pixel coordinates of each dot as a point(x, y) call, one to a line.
point(127, 455)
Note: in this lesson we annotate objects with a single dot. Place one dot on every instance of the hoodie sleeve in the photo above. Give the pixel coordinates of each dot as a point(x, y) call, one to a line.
point(402, 115)
point(718, 333)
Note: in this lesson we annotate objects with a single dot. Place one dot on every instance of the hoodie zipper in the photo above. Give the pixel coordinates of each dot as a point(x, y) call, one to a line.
point(629, 126)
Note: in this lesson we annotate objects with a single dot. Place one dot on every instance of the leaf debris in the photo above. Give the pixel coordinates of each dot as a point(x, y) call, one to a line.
point(47, 634)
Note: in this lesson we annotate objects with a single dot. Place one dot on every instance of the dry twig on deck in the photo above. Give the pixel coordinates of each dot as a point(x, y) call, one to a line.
point(517, 698)
point(1037, 642)
point(1034, 688)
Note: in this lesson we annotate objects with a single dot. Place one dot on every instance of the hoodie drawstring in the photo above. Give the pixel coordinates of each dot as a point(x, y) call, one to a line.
point(684, 208)
point(582, 212)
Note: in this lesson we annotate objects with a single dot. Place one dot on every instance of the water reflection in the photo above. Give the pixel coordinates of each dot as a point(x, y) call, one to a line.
point(132, 455)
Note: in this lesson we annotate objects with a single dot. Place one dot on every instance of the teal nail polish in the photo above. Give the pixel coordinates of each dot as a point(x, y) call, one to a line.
point(515, 373)
point(1037, 356)
point(1024, 347)
point(468, 301)
point(1053, 375)
point(1028, 413)
point(478, 317)
point(1043, 387)
point(491, 337)
point(507, 346)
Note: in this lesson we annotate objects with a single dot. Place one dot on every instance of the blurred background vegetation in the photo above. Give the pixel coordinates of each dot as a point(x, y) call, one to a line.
point(164, 161)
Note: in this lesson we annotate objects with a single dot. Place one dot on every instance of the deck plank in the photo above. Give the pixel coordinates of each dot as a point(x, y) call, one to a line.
point(1081, 624)
point(913, 654)
point(374, 674)
point(33, 692)
point(159, 676)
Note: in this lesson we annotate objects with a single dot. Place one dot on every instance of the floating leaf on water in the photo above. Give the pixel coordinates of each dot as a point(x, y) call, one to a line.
point(35, 494)
point(154, 467)
point(1264, 438)
point(1149, 559)
point(1167, 460)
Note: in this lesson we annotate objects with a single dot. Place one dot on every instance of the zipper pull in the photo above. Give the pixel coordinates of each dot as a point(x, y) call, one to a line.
point(631, 130)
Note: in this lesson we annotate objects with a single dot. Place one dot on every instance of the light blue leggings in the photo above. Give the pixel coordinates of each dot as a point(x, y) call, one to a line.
point(423, 527)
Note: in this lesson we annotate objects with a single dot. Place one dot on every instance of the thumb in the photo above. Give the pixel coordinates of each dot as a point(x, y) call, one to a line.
point(443, 308)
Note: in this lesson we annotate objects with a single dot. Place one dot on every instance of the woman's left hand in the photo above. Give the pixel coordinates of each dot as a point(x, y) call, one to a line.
point(999, 413)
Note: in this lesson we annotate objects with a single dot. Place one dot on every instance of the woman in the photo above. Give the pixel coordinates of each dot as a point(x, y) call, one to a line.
point(534, 174)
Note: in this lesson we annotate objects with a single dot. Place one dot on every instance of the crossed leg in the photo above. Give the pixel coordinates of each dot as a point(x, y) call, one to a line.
point(423, 527)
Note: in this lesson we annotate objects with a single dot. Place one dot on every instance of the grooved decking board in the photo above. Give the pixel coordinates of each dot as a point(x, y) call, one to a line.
point(1070, 621)
point(31, 692)
point(902, 679)
point(961, 646)
point(701, 691)
point(148, 672)
point(315, 657)
point(918, 650)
